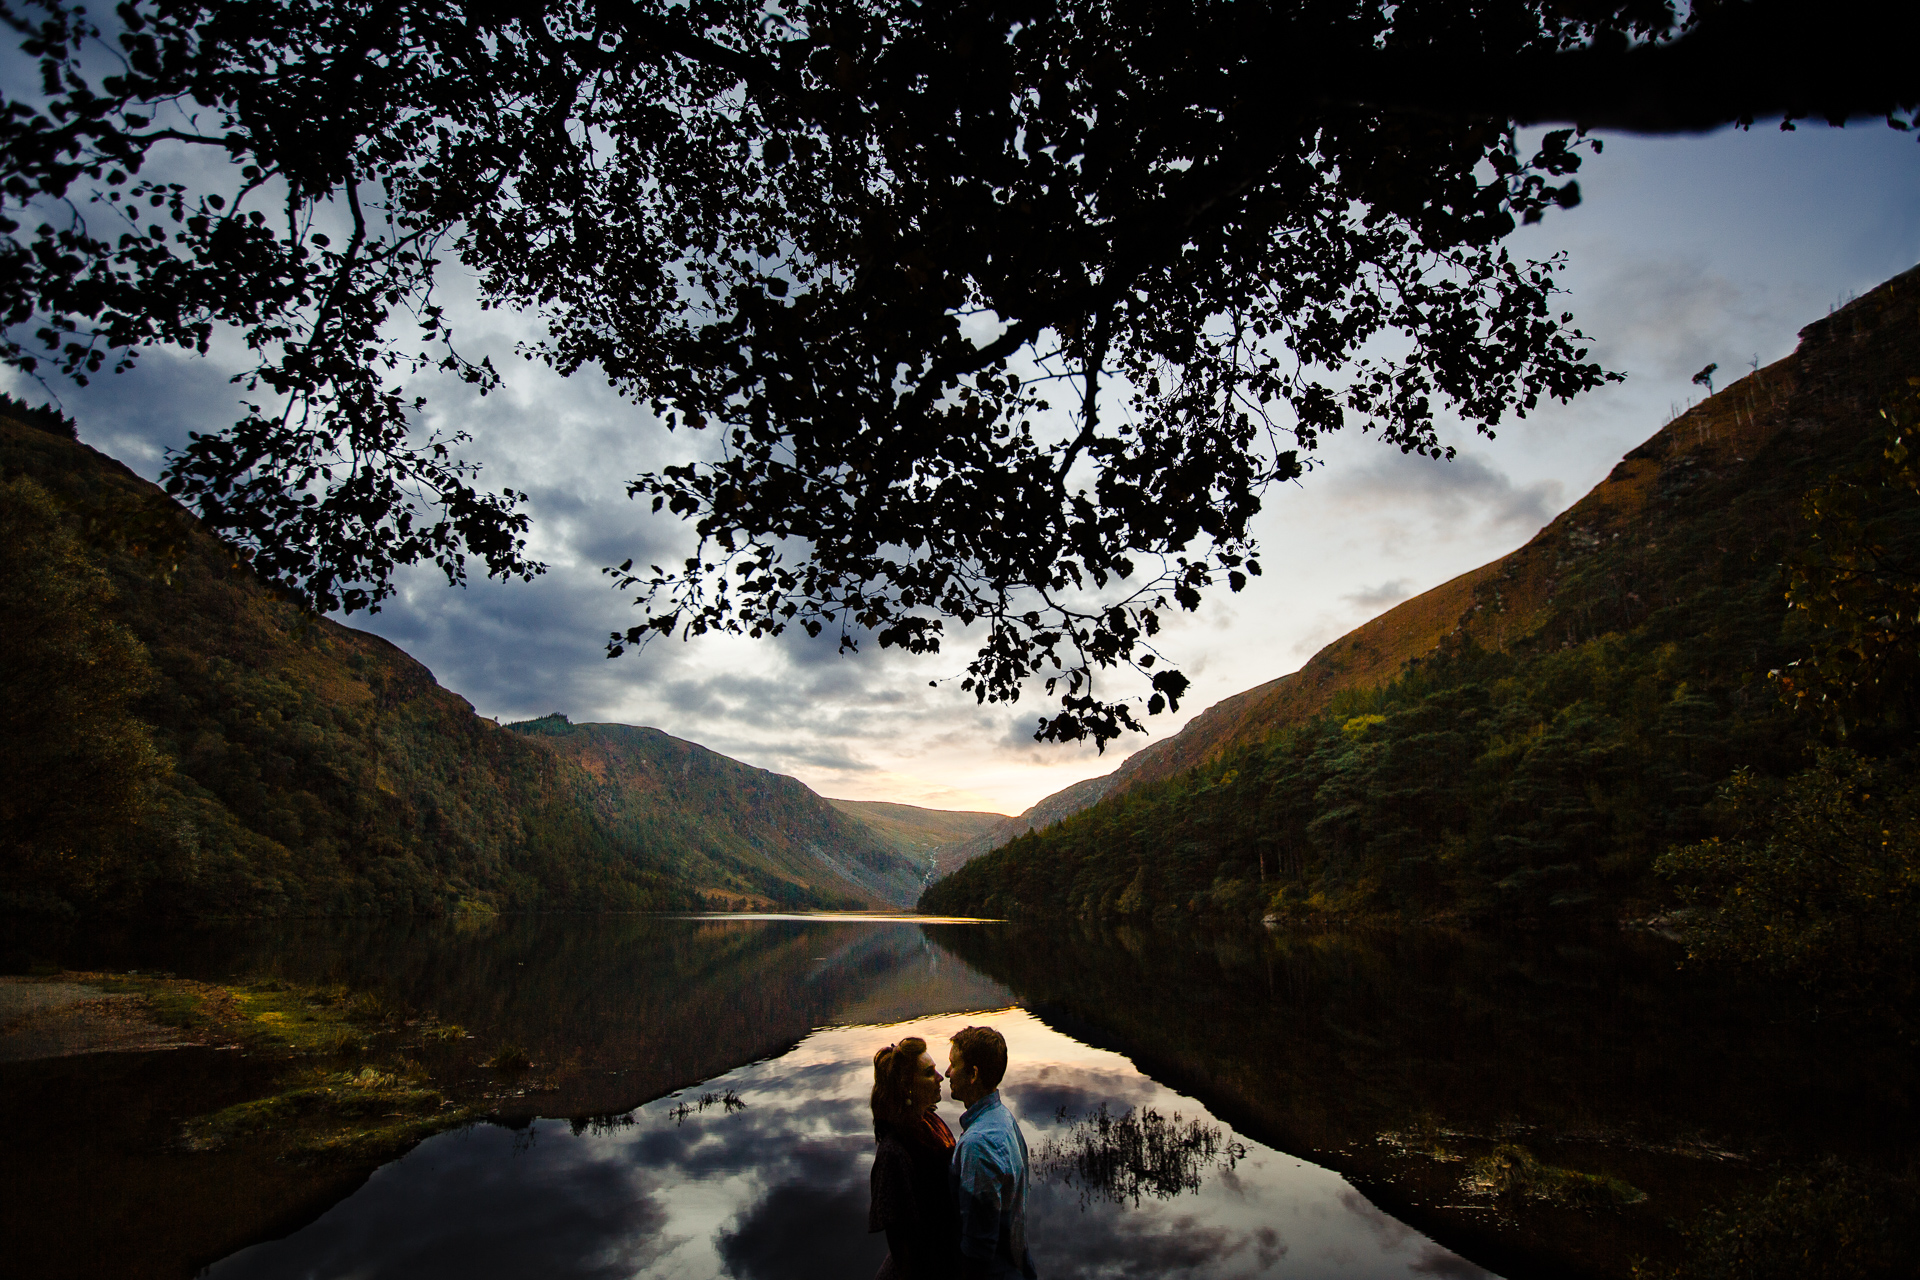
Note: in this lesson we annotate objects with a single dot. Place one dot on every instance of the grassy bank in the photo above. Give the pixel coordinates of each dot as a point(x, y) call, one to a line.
point(346, 1075)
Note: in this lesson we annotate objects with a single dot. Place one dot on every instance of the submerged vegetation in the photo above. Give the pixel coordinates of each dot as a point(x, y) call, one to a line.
point(1511, 1172)
point(1139, 1152)
point(361, 1113)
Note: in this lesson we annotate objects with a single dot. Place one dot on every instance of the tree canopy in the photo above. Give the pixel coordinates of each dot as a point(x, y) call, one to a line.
point(872, 246)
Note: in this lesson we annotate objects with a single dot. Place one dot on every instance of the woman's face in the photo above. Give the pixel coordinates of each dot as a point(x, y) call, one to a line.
point(924, 1093)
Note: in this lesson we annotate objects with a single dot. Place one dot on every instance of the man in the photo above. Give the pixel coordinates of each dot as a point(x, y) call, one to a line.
point(989, 1172)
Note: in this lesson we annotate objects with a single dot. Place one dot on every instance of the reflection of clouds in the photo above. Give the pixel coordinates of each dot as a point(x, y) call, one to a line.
point(1039, 1094)
point(483, 1202)
point(810, 1225)
point(1397, 1236)
point(1041, 1102)
point(1113, 1241)
point(1230, 1179)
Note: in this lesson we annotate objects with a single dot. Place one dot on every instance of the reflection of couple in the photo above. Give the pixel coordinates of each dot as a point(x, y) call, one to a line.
point(949, 1208)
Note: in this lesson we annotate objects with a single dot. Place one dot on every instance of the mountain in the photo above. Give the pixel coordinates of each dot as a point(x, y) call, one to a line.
point(931, 838)
point(1533, 732)
point(1042, 814)
point(1509, 600)
point(733, 828)
point(179, 740)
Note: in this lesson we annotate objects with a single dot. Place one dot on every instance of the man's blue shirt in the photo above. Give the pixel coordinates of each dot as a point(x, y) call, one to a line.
point(989, 1180)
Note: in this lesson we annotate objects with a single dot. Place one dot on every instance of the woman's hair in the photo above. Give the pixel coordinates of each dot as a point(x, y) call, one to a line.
point(894, 1067)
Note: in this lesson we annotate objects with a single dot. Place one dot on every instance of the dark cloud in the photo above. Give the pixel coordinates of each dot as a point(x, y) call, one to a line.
point(1665, 318)
point(1371, 599)
point(137, 416)
point(1465, 490)
point(1017, 741)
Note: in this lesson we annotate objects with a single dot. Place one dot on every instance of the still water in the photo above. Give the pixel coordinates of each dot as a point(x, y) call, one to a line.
point(777, 1187)
point(769, 1178)
point(698, 1102)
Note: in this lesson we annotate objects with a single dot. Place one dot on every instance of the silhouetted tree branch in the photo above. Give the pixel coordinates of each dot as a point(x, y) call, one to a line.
point(774, 222)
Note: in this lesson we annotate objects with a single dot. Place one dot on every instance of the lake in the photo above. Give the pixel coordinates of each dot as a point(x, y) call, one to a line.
point(1329, 1104)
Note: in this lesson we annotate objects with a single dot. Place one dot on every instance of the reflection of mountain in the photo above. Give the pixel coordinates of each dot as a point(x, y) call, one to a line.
point(910, 977)
point(319, 770)
point(1609, 1061)
point(619, 1008)
point(614, 1010)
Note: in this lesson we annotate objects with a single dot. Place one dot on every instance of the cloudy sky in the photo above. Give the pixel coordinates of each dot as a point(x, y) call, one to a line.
point(1685, 251)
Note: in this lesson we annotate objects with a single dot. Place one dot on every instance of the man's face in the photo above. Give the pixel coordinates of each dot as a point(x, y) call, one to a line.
point(955, 1067)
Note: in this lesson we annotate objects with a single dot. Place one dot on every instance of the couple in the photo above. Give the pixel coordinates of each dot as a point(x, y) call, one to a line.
point(951, 1210)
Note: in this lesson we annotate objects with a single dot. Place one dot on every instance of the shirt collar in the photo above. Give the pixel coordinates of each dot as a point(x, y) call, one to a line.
point(978, 1109)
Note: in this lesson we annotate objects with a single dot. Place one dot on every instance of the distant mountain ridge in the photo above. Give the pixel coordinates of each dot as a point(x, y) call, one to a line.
point(1498, 603)
point(1042, 814)
point(306, 768)
point(751, 830)
point(935, 840)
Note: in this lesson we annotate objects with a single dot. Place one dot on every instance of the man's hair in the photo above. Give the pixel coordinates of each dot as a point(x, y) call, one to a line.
point(985, 1050)
point(894, 1066)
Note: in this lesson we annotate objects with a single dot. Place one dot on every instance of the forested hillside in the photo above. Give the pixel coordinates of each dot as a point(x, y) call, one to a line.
point(177, 740)
point(1586, 700)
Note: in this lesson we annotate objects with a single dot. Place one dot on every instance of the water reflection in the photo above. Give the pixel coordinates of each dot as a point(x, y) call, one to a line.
point(1387, 1065)
point(778, 1187)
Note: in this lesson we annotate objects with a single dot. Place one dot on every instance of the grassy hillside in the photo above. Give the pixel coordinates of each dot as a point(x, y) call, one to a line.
point(178, 740)
point(934, 840)
point(746, 836)
point(1524, 740)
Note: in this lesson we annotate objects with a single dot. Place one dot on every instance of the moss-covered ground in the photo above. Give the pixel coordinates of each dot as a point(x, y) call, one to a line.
point(350, 1084)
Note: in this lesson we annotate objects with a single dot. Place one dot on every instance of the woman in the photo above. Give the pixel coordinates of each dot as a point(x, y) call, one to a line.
point(911, 1202)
